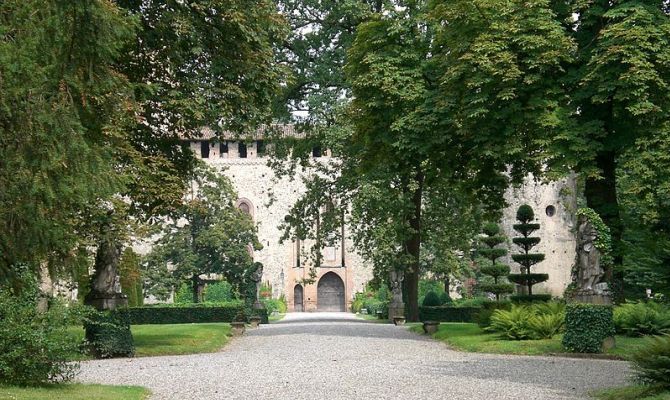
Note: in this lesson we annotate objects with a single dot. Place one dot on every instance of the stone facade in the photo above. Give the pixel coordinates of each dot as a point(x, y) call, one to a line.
point(254, 181)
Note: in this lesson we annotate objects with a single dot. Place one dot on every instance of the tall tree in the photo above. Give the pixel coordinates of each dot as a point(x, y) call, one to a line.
point(64, 107)
point(209, 235)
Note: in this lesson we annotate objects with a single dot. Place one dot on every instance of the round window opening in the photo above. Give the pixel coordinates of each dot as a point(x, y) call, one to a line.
point(551, 211)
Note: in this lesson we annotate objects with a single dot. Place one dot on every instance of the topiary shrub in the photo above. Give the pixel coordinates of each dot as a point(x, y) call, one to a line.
point(108, 334)
point(432, 299)
point(639, 319)
point(497, 271)
point(448, 314)
point(526, 227)
point(652, 362)
point(586, 326)
point(35, 347)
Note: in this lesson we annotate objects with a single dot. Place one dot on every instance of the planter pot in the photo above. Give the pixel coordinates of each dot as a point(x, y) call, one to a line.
point(399, 320)
point(237, 328)
point(254, 321)
point(430, 327)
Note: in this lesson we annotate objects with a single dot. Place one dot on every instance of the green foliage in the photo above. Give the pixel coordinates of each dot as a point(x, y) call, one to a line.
point(638, 319)
point(488, 307)
point(494, 269)
point(586, 326)
point(533, 322)
point(526, 258)
point(241, 316)
point(108, 334)
point(183, 314)
point(271, 305)
point(604, 240)
point(432, 299)
point(215, 239)
point(218, 292)
point(448, 313)
point(131, 278)
point(652, 362)
point(525, 214)
point(530, 298)
point(34, 346)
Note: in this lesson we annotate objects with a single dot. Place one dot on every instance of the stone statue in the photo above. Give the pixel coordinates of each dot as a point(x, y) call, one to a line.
point(117, 284)
point(256, 277)
point(396, 278)
point(105, 291)
point(589, 269)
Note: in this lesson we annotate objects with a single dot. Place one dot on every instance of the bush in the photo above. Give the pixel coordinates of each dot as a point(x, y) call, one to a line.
point(34, 346)
point(218, 292)
point(448, 314)
point(432, 299)
point(108, 334)
point(652, 362)
point(272, 305)
point(183, 314)
point(373, 305)
point(586, 326)
point(445, 298)
point(483, 317)
point(639, 319)
point(528, 322)
point(530, 298)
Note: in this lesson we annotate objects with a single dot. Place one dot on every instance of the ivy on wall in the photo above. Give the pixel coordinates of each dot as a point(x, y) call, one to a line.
point(604, 240)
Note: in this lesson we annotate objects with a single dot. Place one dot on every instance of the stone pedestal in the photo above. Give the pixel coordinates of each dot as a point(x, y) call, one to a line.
point(237, 328)
point(254, 321)
point(591, 297)
point(430, 327)
point(107, 302)
point(396, 309)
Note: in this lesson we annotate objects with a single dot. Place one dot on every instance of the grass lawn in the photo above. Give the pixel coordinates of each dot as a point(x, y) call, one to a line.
point(175, 339)
point(374, 318)
point(470, 337)
point(73, 392)
point(633, 393)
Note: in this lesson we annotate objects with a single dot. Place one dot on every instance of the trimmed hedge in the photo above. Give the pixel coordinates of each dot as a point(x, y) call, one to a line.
point(183, 314)
point(448, 314)
point(532, 298)
point(586, 326)
point(108, 334)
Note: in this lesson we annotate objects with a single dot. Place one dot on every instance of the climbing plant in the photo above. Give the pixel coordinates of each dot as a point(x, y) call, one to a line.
point(604, 240)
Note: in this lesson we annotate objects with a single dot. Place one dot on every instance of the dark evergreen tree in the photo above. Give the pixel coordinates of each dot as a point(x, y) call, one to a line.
point(489, 249)
point(526, 227)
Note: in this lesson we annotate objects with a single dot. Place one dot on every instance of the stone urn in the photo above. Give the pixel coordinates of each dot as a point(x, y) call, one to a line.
point(237, 328)
point(430, 327)
point(399, 320)
point(255, 321)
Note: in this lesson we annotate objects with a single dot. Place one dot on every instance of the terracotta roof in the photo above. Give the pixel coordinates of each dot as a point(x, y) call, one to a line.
point(282, 130)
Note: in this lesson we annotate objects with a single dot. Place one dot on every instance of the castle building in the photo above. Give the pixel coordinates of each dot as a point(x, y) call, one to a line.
point(343, 272)
point(285, 266)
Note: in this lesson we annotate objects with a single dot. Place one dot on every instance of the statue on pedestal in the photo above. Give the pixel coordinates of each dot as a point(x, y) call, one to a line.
point(397, 306)
point(256, 277)
point(590, 272)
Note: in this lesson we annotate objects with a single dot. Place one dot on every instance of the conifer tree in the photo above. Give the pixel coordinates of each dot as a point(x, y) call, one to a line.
point(527, 259)
point(495, 269)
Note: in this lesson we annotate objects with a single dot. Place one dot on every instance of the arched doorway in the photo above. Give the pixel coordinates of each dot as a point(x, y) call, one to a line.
point(330, 293)
point(297, 299)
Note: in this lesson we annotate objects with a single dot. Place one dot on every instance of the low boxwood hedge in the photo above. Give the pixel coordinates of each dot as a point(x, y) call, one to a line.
point(448, 314)
point(183, 314)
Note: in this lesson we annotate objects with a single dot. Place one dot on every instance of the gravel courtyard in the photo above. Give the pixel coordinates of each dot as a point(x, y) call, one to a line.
point(337, 356)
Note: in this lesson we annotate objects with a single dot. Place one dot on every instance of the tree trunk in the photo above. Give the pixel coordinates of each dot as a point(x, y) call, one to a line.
point(601, 196)
point(197, 289)
point(413, 249)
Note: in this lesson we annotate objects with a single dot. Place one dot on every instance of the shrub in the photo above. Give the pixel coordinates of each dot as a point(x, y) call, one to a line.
point(34, 346)
point(483, 317)
point(445, 298)
point(432, 299)
point(652, 362)
point(638, 319)
point(272, 305)
point(528, 322)
point(218, 292)
point(182, 314)
point(373, 305)
point(495, 270)
point(108, 334)
point(586, 326)
point(448, 314)
point(525, 242)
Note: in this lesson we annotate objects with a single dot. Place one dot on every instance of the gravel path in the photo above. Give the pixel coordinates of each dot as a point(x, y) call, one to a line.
point(337, 356)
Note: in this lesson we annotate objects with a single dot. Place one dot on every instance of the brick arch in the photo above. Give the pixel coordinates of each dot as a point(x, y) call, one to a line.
point(331, 293)
point(246, 206)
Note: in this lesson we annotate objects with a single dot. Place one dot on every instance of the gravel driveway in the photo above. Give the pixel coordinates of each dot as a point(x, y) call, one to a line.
point(323, 356)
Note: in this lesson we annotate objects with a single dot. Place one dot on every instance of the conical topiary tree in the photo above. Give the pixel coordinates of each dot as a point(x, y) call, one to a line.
point(527, 259)
point(498, 271)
